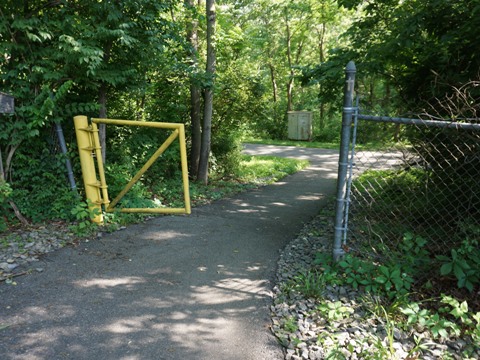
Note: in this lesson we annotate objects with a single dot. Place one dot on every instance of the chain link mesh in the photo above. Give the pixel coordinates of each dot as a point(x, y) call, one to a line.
point(426, 184)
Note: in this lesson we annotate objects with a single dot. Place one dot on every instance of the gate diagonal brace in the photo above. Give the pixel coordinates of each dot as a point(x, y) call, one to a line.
point(96, 189)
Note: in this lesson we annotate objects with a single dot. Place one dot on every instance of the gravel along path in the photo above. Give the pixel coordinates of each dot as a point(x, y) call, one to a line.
point(336, 325)
point(21, 250)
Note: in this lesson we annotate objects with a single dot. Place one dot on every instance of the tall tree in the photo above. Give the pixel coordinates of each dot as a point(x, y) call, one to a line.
point(127, 36)
point(208, 94)
point(423, 48)
point(297, 21)
point(80, 51)
point(30, 72)
point(195, 91)
point(293, 36)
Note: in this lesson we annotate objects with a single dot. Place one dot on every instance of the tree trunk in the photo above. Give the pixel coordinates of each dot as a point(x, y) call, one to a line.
point(195, 93)
point(291, 61)
point(102, 130)
point(2, 171)
point(11, 149)
point(17, 212)
point(321, 43)
point(196, 129)
point(102, 99)
point(289, 58)
point(208, 94)
point(371, 97)
point(321, 50)
point(274, 82)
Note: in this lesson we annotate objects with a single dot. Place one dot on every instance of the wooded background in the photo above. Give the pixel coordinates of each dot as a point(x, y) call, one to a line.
point(225, 69)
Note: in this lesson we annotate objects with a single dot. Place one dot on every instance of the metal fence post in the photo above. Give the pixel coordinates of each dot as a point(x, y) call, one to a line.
point(348, 109)
point(68, 164)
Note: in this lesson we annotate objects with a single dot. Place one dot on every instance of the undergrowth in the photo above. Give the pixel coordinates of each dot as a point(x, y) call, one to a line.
point(252, 172)
point(390, 295)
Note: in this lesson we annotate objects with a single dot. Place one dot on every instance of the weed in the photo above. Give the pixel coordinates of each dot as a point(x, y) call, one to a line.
point(463, 263)
point(335, 354)
point(389, 279)
point(310, 283)
point(290, 325)
point(84, 214)
point(393, 280)
point(334, 311)
point(415, 256)
point(378, 306)
point(328, 268)
point(422, 319)
point(4, 243)
point(358, 272)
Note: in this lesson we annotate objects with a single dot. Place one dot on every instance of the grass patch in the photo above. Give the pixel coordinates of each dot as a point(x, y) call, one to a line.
point(370, 146)
point(265, 170)
point(305, 144)
point(254, 171)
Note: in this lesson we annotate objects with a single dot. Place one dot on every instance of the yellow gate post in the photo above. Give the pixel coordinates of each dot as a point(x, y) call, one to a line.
point(86, 148)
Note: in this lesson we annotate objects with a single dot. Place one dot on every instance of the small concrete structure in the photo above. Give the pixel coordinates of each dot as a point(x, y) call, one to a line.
point(300, 125)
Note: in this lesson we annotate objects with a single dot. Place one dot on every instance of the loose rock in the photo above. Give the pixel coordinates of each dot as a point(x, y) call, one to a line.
point(353, 336)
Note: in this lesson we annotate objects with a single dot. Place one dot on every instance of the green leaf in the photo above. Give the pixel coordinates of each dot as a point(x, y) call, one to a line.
point(384, 270)
point(443, 333)
point(446, 269)
point(469, 285)
point(395, 273)
point(476, 317)
point(454, 254)
point(458, 271)
point(464, 307)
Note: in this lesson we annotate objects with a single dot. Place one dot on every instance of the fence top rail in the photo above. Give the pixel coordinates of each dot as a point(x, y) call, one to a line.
point(420, 122)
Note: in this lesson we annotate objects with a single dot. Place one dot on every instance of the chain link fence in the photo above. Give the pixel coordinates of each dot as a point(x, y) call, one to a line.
point(426, 184)
point(408, 193)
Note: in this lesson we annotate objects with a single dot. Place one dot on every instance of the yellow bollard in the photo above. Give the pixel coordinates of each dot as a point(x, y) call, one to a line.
point(85, 150)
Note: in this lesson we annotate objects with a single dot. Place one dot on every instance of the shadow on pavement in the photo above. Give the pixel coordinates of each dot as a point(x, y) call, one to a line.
point(175, 287)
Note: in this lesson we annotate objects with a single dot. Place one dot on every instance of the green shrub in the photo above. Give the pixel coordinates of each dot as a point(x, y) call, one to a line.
point(463, 263)
point(5, 191)
point(40, 186)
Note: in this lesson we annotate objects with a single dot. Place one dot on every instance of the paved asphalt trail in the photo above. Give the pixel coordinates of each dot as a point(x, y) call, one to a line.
point(176, 287)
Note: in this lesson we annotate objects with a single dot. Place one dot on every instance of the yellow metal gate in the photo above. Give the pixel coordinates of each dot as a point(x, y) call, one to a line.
point(96, 189)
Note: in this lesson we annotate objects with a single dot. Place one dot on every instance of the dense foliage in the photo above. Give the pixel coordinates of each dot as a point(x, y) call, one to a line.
point(133, 60)
point(144, 59)
point(61, 59)
point(410, 55)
